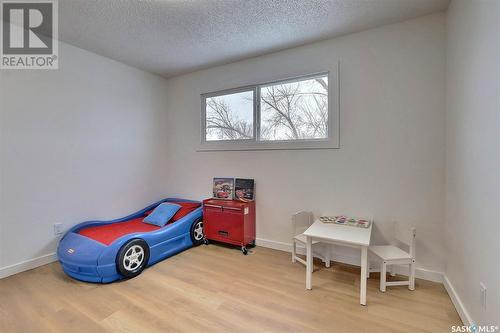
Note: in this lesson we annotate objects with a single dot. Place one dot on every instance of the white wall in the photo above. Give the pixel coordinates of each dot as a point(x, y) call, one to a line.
point(473, 155)
point(391, 162)
point(77, 143)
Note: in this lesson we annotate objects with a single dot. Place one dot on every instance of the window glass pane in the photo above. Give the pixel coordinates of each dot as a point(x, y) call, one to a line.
point(294, 110)
point(229, 117)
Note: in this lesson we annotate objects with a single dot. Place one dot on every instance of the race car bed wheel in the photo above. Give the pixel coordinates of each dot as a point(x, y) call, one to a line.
point(197, 235)
point(132, 258)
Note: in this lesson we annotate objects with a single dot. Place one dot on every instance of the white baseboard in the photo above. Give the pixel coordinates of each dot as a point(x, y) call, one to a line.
point(462, 311)
point(352, 258)
point(27, 265)
point(274, 244)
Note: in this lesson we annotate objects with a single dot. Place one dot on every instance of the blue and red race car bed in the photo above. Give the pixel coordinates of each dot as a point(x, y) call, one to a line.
point(105, 251)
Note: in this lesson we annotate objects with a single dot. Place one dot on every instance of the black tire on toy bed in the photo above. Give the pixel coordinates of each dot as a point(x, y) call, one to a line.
point(197, 234)
point(132, 258)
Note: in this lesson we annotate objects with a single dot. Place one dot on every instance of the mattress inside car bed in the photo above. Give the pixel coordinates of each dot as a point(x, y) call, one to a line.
point(106, 234)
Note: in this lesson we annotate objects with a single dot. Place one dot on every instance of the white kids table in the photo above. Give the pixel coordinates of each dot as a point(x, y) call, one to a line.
point(340, 235)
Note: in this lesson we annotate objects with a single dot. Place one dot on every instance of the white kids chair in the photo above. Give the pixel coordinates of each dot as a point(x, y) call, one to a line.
point(301, 221)
point(393, 255)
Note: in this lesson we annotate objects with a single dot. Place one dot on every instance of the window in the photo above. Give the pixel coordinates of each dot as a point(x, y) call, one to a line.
point(290, 114)
point(295, 110)
point(230, 117)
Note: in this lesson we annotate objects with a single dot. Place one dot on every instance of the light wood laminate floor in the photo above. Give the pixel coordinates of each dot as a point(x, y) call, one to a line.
point(217, 289)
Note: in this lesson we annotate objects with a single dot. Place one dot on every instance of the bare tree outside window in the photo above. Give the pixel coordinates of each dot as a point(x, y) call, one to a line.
point(289, 111)
point(229, 117)
point(295, 111)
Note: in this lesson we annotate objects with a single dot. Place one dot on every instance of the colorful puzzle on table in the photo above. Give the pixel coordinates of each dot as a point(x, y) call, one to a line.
point(344, 220)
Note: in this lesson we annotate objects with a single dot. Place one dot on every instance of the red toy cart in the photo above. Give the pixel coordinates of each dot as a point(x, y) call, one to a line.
point(229, 221)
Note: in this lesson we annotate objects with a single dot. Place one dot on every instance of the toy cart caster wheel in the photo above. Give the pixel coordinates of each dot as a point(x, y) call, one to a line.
point(244, 250)
point(205, 241)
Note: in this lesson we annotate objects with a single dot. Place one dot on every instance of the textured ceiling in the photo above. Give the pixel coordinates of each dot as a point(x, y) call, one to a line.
point(169, 37)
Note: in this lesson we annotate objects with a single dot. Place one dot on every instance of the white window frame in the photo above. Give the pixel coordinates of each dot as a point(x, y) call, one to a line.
point(332, 142)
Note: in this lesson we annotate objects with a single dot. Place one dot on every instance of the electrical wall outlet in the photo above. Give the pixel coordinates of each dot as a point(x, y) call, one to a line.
point(58, 229)
point(482, 290)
